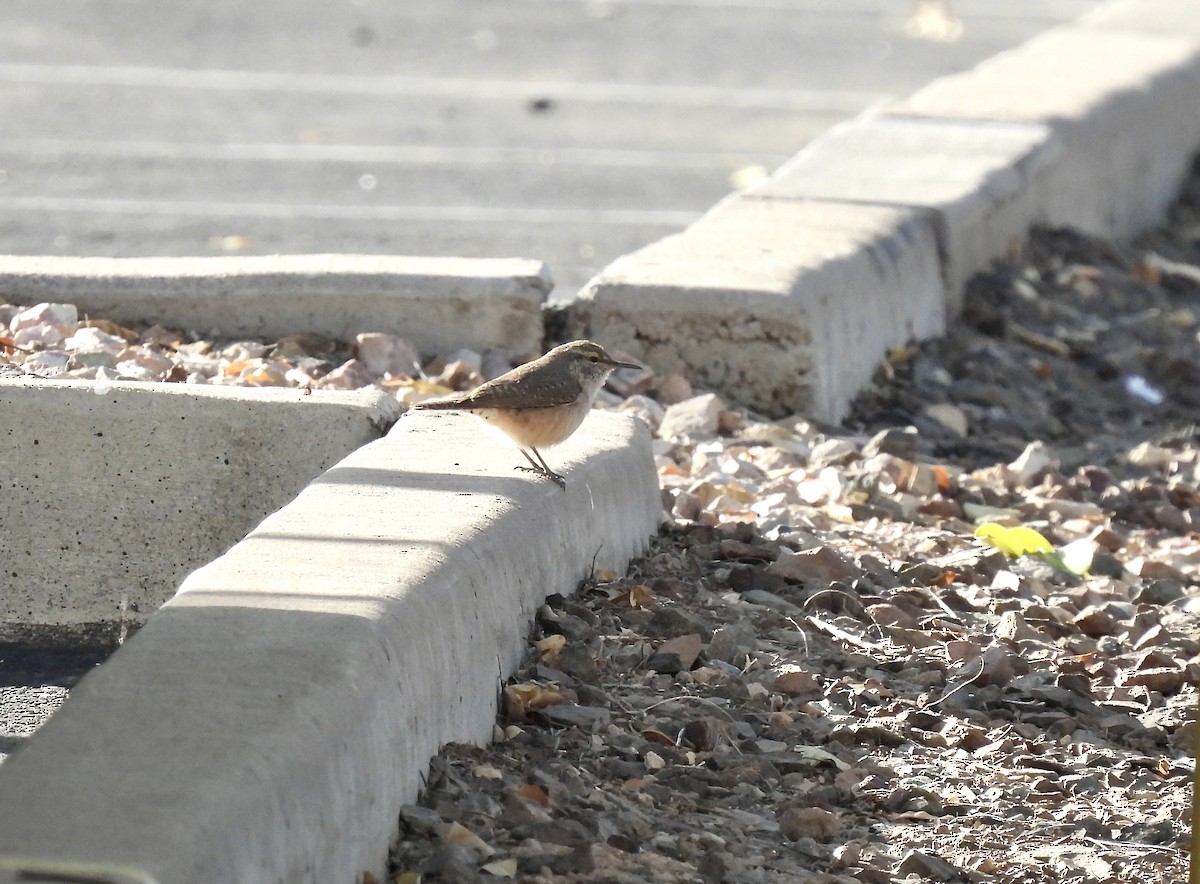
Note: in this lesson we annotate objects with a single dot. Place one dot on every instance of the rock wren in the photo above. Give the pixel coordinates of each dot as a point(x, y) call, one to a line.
point(540, 403)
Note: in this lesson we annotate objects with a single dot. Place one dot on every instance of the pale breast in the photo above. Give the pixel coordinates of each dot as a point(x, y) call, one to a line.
point(537, 427)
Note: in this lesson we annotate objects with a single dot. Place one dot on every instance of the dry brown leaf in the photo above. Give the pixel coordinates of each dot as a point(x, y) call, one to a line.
point(460, 834)
point(110, 328)
point(1147, 273)
point(501, 868)
point(521, 699)
point(657, 736)
point(533, 793)
point(638, 596)
point(550, 648)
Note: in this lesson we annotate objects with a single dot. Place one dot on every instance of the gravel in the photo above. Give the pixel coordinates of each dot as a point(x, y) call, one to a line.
point(820, 672)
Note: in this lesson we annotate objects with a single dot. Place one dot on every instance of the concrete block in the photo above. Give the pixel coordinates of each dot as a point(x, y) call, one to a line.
point(439, 304)
point(111, 498)
point(783, 305)
point(268, 722)
point(979, 180)
point(1124, 105)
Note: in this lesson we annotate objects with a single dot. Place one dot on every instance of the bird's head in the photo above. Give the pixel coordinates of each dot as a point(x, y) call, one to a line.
point(588, 362)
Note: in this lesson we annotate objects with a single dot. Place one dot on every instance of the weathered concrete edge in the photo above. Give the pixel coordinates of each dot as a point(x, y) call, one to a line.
point(115, 492)
point(436, 303)
point(268, 723)
point(978, 181)
point(1140, 177)
point(783, 304)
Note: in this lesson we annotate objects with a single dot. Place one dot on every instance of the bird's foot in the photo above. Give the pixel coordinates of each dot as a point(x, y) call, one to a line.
point(554, 477)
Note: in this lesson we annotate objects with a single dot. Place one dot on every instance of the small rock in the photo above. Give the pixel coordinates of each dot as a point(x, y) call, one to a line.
point(1096, 621)
point(1164, 679)
point(380, 354)
point(1036, 459)
point(350, 375)
point(928, 867)
point(702, 734)
point(999, 665)
point(694, 418)
point(798, 682)
point(46, 362)
point(1148, 569)
point(751, 577)
point(676, 655)
point(670, 622)
point(586, 718)
point(822, 563)
point(674, 388)
point(90, 339)
point(887, 614)
point(770, 600)
point(1163, 591)
point(808, 822)
point(732, 640)
point(453, 862)
point(1012, 627)
point(1150, 456)
point(833, 451)
point(949, 416)
point(645, 408)
point(61, 316)
point(898, 442)
point(1106, 538)
point(422, 820)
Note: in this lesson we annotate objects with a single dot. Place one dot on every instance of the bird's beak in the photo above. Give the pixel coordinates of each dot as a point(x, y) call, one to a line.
point(612, 363)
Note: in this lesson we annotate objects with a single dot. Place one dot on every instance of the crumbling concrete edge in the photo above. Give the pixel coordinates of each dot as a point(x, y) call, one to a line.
point(437, 304)
point(267, 724)
point(1092, 124)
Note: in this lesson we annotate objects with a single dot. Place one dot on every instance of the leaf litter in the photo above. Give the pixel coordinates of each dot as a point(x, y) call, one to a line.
point(819, 673)
point(956, 639)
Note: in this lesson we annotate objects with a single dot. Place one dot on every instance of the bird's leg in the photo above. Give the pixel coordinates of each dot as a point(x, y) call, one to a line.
point(541, 468)
point(550, 474)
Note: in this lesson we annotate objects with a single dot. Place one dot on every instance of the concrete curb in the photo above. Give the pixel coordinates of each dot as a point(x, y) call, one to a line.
point(270, 720)
point(768, 301)
point(438, 304)
point(112, 498)
point(977, 158)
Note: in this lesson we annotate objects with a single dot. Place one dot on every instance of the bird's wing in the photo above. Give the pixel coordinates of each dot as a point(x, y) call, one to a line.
point(519, 394)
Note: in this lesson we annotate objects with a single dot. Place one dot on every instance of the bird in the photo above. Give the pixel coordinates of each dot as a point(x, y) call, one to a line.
point(540, 403)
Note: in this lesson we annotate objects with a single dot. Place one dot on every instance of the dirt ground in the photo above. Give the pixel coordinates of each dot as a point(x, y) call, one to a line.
point(818, 673)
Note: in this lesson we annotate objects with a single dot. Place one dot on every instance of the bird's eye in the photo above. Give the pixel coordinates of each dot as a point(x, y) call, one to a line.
point(593, 358)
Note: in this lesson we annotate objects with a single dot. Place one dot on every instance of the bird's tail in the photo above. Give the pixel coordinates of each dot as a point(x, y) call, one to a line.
point(435, 404)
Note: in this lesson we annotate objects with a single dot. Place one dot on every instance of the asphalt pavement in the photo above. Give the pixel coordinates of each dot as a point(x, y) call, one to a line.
point(570, 131)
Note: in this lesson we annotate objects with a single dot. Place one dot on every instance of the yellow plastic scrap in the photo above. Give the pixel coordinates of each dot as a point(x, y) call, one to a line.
point(1018, 541)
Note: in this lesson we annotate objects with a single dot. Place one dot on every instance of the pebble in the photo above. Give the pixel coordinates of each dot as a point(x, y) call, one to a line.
point(694, 418)
point(817, 653)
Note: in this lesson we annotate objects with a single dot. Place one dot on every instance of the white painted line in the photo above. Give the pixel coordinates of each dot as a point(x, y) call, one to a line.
point(442, 87)
point(452, 214)
point(404, 154)
point(1035, 9)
